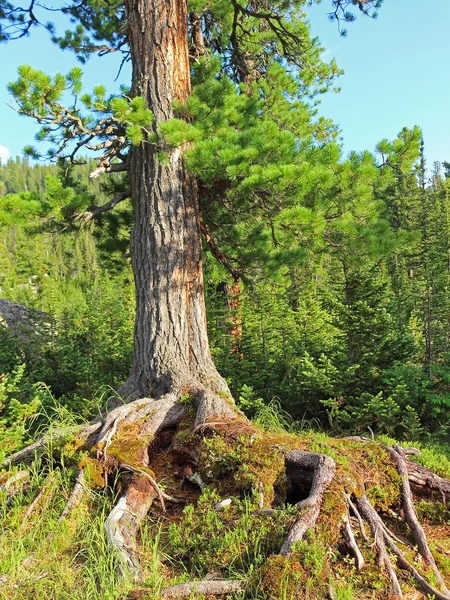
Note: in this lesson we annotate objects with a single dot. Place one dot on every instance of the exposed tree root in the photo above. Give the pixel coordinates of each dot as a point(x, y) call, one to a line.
point(80, 490)
point(379, 534)
point(358, 518)
point(324, 469)
point(39, 498)
point(124, 521)
point(86, 436)
point(130, 436)
point(352, 544)
point(425, 482)
point(411, 517)
point(376, 524)
point(212, 587)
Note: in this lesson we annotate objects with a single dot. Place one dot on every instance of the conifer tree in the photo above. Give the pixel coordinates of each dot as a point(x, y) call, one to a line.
point(219, 149)
point(216, 135)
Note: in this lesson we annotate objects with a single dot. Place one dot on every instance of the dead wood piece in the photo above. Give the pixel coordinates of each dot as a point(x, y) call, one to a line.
point(425, 481)
point(324, 469)
point(80, 490)
point(352, 544)
point(213, 587)
point(412, 519)
point(15, 483)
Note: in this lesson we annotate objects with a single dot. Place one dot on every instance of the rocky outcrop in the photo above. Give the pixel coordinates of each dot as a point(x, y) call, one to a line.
point(22, 321)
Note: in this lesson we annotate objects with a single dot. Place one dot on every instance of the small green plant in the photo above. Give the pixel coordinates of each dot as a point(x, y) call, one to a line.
point(19, 403)
point(343, 591)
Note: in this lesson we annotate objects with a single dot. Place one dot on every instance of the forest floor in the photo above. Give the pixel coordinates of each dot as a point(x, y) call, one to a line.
point(45, 557)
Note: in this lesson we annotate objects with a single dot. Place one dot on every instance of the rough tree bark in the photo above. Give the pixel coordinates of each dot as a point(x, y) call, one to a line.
point(171, 349)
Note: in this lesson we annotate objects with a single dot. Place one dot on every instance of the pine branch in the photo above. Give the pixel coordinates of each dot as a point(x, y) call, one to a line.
point(94, 211)
point(224, 260)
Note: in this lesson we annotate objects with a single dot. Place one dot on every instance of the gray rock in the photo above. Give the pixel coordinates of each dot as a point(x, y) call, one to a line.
point(24, 322)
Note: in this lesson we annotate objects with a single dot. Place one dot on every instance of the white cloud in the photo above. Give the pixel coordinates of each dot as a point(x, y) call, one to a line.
point(4, 154)
point(329, 52)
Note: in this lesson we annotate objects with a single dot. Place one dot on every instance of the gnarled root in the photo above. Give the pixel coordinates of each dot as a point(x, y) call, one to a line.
point(124, 521)
point(136, 436)
point(411, 516)
point(86, 436)
point(380, 533)
point(324, 469)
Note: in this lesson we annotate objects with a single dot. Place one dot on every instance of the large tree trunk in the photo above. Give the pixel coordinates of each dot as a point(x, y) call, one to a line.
point(171, 350)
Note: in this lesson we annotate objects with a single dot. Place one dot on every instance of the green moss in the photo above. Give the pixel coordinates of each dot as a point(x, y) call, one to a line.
point(129, 448)
point(94, 473)
point(435, 512)
point(282, 578)
point(236, 539)
point(237, 463)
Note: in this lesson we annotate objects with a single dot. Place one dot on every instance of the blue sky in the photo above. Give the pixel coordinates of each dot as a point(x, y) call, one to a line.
point(396, 74)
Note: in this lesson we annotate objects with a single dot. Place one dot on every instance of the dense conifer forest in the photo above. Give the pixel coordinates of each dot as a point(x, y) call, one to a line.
point(224, 344)
point(350, 336)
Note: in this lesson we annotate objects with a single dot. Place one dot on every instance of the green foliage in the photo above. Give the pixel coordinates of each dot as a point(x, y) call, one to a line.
point(52, 545)
point(248, 402)
point(235, 540)
point(342, 315)
point(39, 95)
point(19, 402)
point(334, 342)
